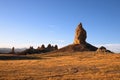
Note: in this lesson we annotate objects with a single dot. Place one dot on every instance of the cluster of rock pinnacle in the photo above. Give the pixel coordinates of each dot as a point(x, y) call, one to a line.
point(79, 44)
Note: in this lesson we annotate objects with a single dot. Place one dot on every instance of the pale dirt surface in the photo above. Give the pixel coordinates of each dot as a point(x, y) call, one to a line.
point(62, 66)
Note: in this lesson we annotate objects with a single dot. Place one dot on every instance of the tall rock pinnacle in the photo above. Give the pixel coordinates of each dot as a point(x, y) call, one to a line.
point(79, 43)
point(80, 35)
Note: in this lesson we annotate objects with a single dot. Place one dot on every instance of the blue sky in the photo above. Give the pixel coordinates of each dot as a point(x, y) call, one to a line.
point(35, 22)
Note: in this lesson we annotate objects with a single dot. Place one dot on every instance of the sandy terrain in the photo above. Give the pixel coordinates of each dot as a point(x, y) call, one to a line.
point(60, 66)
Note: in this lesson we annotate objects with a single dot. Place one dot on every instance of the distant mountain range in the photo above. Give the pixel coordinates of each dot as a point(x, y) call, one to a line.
point(7, 50)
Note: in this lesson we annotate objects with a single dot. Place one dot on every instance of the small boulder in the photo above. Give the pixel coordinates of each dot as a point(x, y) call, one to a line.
point(101, 49)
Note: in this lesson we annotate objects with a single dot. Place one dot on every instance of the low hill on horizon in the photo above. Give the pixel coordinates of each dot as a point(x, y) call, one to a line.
point(7, 50)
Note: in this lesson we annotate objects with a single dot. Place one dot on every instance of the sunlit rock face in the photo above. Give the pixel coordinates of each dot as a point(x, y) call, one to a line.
point(79, 43)
point(80, 35)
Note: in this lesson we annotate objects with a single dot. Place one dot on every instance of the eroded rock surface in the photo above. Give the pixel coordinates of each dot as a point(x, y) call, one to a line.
point(80, 35)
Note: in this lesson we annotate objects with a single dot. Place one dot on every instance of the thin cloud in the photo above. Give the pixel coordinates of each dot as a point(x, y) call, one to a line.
point(60, 41)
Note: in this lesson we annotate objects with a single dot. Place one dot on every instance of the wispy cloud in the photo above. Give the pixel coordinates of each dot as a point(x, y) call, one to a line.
point(60, 41)
point(112, 47)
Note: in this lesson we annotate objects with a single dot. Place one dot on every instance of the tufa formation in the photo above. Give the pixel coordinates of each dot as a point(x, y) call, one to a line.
point(41, 49)
point(80, 35)
point(103, 49)
point(79, 43)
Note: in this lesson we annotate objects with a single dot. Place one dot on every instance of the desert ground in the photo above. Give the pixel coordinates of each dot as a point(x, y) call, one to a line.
point(60, 66)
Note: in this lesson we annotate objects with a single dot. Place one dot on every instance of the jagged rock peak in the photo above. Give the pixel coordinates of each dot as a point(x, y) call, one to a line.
point(80, 35)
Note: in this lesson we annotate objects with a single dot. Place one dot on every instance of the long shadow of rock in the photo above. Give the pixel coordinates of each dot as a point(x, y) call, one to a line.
point(19, 58)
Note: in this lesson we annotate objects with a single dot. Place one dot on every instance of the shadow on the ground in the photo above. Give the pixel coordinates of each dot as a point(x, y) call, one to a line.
point(19, 58)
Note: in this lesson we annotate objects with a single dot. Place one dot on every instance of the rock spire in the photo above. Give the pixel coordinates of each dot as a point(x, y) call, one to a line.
point(80, 35)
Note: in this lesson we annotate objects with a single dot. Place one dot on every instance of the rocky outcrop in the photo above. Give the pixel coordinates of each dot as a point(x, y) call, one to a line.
point(78, 47)
point(56, 47)
point(103, 49)
point(80, 35)
point(13, 50)
point(51, 48)
point(41, 49)
point(79, 43)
